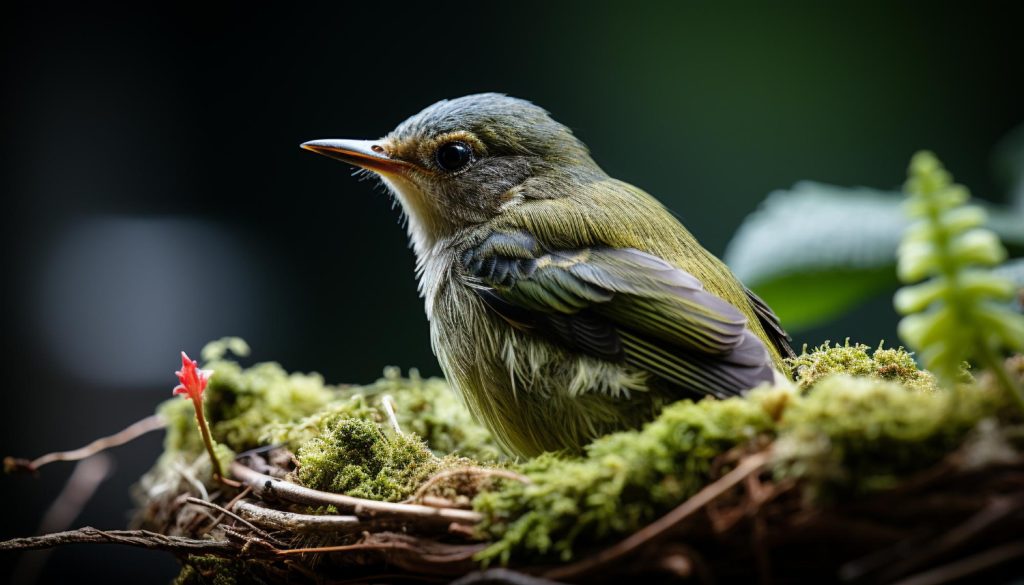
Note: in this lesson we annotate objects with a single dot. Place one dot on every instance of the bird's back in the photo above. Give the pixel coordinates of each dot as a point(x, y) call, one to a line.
point(616, 214)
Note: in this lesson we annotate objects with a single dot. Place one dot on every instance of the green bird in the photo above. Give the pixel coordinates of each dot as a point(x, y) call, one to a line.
point(563, 304)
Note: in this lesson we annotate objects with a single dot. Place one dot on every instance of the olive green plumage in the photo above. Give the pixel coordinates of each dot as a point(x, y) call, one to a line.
point(563, 304)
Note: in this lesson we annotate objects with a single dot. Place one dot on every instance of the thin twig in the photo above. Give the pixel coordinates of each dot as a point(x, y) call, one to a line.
point(245, 491)
point(266, 486)
point(130, 433)
point(139, 538)
point(750, 465)
point(389, 408)
point(226, 512)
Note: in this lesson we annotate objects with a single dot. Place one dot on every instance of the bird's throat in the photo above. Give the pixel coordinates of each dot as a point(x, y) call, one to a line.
point(424, 223)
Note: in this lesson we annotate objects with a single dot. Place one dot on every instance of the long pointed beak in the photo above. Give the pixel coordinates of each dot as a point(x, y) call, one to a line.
point(367, 154)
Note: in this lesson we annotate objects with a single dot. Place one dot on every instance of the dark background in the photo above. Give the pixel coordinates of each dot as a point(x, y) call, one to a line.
point(155, 196)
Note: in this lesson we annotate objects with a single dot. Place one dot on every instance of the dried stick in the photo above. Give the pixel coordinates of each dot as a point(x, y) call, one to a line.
point(225, 512)
point(750, 465)
point(266, 486)
point(280, 520)
point(132, 432)
point(139, 538)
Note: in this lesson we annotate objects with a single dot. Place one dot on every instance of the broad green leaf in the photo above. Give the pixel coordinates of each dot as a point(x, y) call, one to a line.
point(815, 251)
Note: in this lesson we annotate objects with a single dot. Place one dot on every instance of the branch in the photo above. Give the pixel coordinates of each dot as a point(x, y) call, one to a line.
point(132, 432)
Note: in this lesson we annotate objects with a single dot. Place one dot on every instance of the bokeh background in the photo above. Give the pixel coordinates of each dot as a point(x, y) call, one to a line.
point(155, 196)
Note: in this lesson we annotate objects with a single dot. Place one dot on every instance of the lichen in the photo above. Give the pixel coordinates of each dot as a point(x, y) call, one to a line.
point(892, 364)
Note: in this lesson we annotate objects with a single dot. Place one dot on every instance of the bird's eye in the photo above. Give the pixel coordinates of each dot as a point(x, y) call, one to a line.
point(452, 156)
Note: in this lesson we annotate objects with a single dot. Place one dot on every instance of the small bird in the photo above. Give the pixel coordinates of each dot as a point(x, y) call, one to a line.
point(563, 304)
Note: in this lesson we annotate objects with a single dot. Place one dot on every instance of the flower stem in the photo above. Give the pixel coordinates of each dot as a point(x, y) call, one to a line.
point(204, 429)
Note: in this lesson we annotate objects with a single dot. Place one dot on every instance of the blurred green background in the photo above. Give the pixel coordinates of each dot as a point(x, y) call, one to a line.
point(155, 196)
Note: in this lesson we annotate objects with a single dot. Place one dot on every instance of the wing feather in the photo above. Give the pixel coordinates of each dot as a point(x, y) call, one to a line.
point(623, 305)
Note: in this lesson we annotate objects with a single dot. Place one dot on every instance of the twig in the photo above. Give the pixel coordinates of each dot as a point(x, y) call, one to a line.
point(245, 491)
point(750, 465)
point(389, 407)
point(266, 486)
point(130, 433)
point(78, 490)
point(969, 566)
point(226, 512)
point(139, 538)
point(470, 471)
point(280, 520)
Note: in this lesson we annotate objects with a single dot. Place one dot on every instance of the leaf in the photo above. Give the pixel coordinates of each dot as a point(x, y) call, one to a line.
point(817, 250)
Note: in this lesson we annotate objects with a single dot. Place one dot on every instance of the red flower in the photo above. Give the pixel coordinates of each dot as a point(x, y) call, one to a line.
point(193, 380)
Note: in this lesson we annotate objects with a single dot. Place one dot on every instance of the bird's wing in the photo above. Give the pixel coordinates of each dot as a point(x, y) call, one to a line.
point(620, 304)
point(772, 325)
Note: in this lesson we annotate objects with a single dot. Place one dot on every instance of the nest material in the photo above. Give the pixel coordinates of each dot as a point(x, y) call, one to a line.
point(923, 487)
point(954, 520)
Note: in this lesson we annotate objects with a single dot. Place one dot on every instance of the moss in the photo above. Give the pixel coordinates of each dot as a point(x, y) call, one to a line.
point(623, 481)
point(264, 404)
point(845, 436)
point(896, 365)
point(431, 409)
point(857, 420)
point(355, 457)
point(856, 435)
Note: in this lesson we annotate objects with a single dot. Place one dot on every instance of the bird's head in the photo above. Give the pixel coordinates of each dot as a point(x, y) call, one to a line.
point(462, 162)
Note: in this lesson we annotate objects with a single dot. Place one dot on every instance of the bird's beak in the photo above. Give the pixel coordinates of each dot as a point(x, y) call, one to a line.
point(367, 154)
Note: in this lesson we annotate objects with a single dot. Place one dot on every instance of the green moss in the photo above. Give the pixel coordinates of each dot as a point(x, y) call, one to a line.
point(855, 435)
point(896, 365)
point(264, 404)
point(431, 409)
point(624, 481)
point(355, 457)
point(857, 420)
point(844, 437)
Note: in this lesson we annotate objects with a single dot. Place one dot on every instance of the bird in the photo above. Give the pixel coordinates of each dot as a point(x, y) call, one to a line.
point(563, 304)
